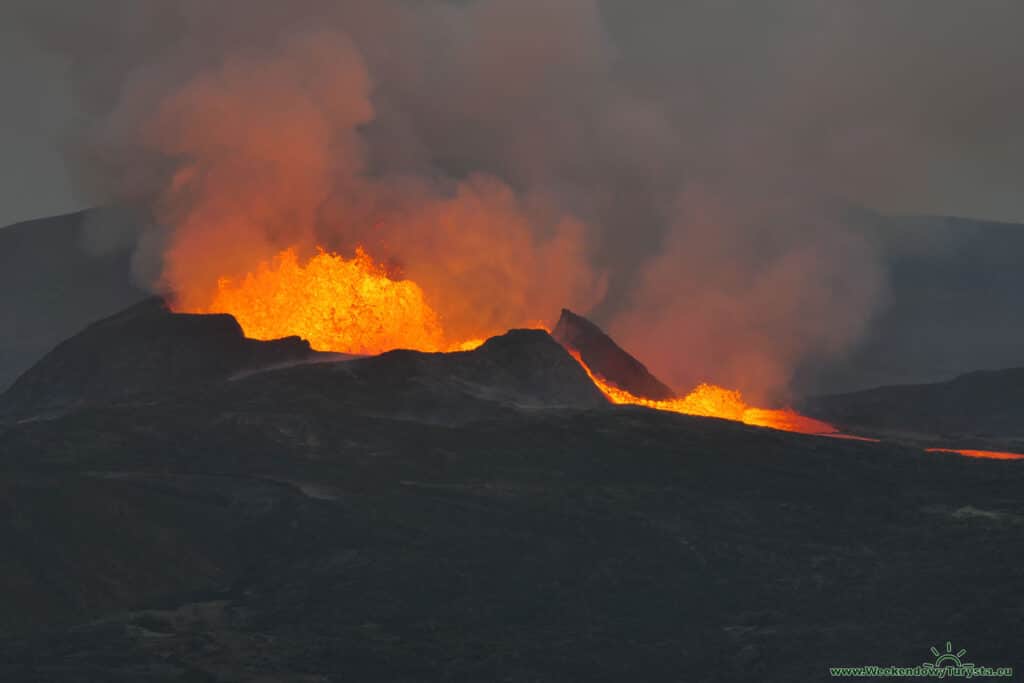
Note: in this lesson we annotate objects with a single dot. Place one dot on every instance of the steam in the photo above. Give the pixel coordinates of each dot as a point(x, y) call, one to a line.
point(739, 298)
point(264, 151)
point(673, 170)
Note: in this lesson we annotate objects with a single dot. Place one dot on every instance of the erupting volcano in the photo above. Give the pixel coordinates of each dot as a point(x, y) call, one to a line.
point(348, 306)
point(356, 306)
point(353, 306)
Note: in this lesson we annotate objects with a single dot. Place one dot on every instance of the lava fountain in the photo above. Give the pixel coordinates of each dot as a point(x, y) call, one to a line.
point(336, 304)
point(356, 306)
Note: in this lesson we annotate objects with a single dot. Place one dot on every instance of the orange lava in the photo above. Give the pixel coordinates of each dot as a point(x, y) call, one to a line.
point(994, 455)
point(355, 306)
point(334, 303)
point(708, 400)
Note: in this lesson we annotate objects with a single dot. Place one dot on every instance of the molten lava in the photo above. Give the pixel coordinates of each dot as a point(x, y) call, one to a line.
point(354, 306)
point(995, 455)
point(708, 400)
point(336, 304)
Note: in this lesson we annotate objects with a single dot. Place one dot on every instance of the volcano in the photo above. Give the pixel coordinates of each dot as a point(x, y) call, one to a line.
point(201, 504)
point(183, 502)
point(145, 348)
point(149, 350)
point(625, 381)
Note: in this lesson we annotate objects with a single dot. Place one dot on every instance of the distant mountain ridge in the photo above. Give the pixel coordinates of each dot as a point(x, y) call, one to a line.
point(988, 403)
point(950, 304)
point(52, 285)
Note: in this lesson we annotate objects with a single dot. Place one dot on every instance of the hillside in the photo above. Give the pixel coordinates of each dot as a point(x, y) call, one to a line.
point(52, 284)
point(479, 516)
point(985, 404)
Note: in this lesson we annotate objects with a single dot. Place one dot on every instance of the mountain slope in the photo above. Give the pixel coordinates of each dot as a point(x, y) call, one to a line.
point(52, 285)
point(216, 534)
point(984, 403)
point(950, 304)
point(145, 348)
point(606, 358)
point(480, 516)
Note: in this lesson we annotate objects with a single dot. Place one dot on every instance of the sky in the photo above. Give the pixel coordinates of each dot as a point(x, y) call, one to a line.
point(675, 168)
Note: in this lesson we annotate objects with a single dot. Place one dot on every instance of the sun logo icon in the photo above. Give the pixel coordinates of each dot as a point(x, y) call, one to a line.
point(948, 659)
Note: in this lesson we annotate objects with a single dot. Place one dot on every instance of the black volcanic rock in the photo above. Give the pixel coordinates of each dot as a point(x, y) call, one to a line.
point(476, 516)
point(519, 370)
point(606, 358)
point(440, 517)
point(985, 403)
point(297, 525)
point(526, 367)
point(145, 348)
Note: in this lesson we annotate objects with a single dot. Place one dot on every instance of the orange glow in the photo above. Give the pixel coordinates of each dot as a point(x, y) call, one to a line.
point(708, 400)
point(994, 455)
point(336, 304)
point(354, 306)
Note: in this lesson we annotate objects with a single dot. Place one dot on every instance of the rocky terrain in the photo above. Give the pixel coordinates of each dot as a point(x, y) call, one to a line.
point(479, 516)
point(145, 349)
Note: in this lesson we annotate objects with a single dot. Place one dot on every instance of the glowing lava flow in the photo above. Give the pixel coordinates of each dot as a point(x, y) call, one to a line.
point(354, 306)
point(995, 455)
point(336, 304)
point(708, 400)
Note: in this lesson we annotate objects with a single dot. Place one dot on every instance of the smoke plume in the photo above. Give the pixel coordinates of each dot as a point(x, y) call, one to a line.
point(673, 169)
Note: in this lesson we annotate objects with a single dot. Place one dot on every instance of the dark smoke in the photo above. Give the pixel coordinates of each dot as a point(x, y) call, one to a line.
point(692, 153)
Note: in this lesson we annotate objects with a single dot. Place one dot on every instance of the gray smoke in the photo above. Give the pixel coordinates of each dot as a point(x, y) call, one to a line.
point(698, 149)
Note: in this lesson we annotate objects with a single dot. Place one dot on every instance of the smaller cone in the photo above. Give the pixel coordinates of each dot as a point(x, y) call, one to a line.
point(606, 358)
